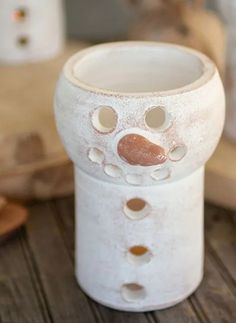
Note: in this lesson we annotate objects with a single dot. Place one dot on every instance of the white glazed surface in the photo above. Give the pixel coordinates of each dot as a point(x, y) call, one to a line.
point(172, 231)
point(43, 26)
point(199, 109)
point(173, 227)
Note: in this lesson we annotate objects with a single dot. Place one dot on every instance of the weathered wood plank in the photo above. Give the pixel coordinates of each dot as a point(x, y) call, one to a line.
point(65, 211)
point(214, 300)
point(67, 303)
point(215, 297)
point(37, 281)
point(202, 311)
point(221, 237)
point(181, 313)
point(20, 301)
point(113, 316)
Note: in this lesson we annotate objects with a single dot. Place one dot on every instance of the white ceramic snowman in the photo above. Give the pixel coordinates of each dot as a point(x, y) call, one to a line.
point(30, 30)
point(139, 120)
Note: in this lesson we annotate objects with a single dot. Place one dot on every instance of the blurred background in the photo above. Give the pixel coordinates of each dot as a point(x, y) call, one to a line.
point(36, 39)
point(37, 281)
point(111, 19)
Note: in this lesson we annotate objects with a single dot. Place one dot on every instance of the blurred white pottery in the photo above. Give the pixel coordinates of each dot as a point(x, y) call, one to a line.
point(139, 120)
point(30, 30)
point(228, 11)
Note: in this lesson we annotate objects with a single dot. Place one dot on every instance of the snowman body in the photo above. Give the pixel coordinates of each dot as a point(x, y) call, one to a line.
point(30, 30)
point(136, 119)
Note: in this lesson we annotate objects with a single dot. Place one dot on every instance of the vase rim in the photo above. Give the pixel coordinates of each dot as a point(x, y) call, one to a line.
point(208, 68)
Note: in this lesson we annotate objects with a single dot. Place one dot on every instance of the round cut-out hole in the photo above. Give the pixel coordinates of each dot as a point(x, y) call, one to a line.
point(96, 156)
point(23, 41)
point(136, 209)
point(104, 119)
point(177, 152)
point(133, 292)
point(134, 179)
point(112, 170)
point(20, 15)
point(157, 119)
point(139, 255)
point(161, 174)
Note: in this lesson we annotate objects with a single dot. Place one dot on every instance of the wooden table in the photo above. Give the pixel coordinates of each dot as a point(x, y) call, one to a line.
point(37, 282)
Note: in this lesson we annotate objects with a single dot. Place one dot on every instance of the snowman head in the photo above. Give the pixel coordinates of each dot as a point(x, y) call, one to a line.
point(138, 112)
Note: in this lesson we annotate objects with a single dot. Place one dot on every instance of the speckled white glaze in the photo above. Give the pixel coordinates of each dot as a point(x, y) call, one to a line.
point(43, 27)
point(172, 229)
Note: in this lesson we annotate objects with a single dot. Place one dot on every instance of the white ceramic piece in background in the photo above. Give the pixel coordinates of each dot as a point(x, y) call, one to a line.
point(228, 11)
point(30, 30)
point(139, 120)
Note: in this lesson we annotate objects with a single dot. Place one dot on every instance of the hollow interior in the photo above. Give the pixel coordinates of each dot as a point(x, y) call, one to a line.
point(133, 292)
point(104, 119)
point(96, 155)
point(133, 179)
point(136, 204)
point(136, 209)
point(139, 255)
point(138, 250)
point(112, 170)
point(177, 153)
point(157, 118)
point(138, 68)
point(161, 174)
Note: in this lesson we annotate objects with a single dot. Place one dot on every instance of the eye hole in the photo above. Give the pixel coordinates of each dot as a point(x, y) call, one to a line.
point(104, 119)
point(157, 119)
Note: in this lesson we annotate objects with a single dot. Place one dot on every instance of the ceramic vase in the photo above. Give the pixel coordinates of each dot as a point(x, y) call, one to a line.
point(139, 120)
point(30, 30)
point(227, 9)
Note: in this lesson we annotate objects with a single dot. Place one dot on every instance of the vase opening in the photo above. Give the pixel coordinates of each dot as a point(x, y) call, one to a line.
point(135, 68)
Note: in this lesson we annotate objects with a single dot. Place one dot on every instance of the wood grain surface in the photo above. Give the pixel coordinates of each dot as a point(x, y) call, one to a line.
point(220, 187)
point(12, 217)
point(29, 142)
point(37, 282)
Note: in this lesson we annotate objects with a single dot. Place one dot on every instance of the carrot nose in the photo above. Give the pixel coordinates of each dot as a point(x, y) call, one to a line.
point(137, 150)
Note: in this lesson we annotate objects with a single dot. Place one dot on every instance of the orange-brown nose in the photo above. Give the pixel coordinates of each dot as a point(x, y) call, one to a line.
point(137, 150)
